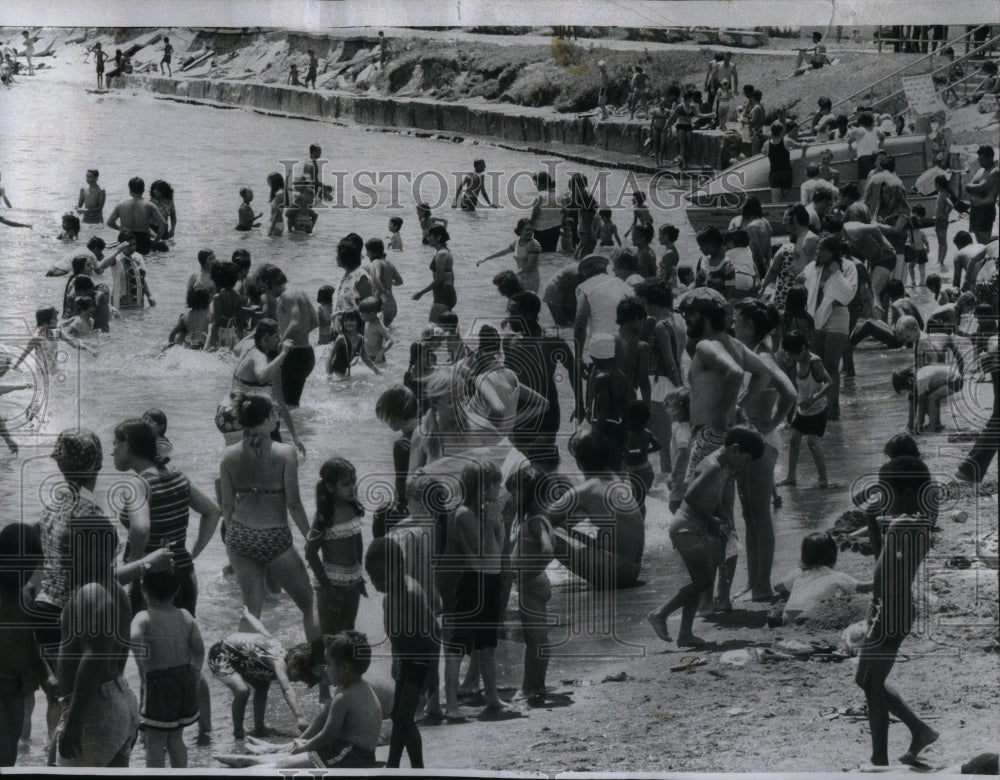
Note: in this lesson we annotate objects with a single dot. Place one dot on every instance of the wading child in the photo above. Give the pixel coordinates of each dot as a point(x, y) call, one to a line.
point(640, 213)
point(395, 240)
point(70, 227)
point(814, 580)
point(900, 521)
point(397, 408)
point(412, 631)
point(670, 259)
point(191, 329)
point(324, 311)
point(638, 446)
point(377, 339)
point(427, 220)
point(697, 530)
point(81, 324)
point(47, 334)
point(253, 659)
point(22, 668)
point(229, 319)
point(605, 231)
point(157, 420)
point(246, 219)
point(608, 394)
point(349, 347)
point(917, 249)
point(169, 652)
point(812, 384)
point(334, 550)
point(642, 237)
point(475, 537)
point(679, 406)
point(345, 733)
point(933, 384)
point(384, 278)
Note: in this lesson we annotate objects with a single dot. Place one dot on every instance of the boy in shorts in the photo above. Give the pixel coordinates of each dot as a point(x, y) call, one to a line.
point(813, 384)
point(169, 652)
point(168, 53)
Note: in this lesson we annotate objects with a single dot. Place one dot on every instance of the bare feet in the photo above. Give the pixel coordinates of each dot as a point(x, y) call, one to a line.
point(204, 738)
point(926, 736)
point(690, 640)
point(659, 625)
point(787, 482)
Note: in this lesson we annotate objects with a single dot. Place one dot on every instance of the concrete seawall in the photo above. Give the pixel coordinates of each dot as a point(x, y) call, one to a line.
point(516, 124)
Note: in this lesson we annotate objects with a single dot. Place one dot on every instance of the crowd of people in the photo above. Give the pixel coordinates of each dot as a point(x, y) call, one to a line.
point(699, 360)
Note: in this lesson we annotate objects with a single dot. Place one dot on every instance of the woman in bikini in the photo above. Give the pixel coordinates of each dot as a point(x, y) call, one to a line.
point(443, 286)
point(259, 488)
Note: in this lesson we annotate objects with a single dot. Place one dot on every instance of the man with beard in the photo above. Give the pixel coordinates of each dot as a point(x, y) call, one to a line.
point(718, 362)
point(533, 357)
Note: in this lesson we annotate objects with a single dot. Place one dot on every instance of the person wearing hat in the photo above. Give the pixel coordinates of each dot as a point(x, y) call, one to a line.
point(718, 364)
point(79, 456)
point(597, 299)
point(608, 394)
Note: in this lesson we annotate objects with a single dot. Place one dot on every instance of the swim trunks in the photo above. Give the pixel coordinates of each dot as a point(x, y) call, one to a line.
point(704, 441)
point(297, 367)
point(343, 755)
point(110, 727)
point(170, 699)
point(982, 217)
point(477, 612)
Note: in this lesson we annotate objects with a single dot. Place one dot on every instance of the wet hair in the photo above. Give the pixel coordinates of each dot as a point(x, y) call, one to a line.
point(325, 294)
point(72, 223)
point(796, 300)
point(901, 444)
point(276, 182)
point(80, 264)
point(20, 555)
point(903, 379)
point(198, 298)
point(776, 128)
point(348, 255)
point(265, 327)
point(738, 237)
point(396, 222)
point(794, 342)
point(385, 562)
point(375, 248)
point(253, 410)
point(350, 647)
point(655, 292)
point(161, 585)
point(332, 471)
point(626, 260)
point(476, 478)
point(46, 315)
point(83, 284)
point(678, 402)
point(747, 439)
point(637, 414)
point(630, 310)
point(225, 275)
point(141, 439)
point(711, 236)
point(763, 316)
point(439, 232)
point(591, 453)
point(163, 188)
point(752, 208)
point(894, 288)
point(507, 283)
point(399, 402)
point(671, 232)
point(962, 239)
point(818, 549)
point(136, 185)
point(96, 244)
point(84, 303)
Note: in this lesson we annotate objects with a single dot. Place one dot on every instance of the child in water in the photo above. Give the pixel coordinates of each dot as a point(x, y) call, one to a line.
point(605, 231)
point(324, 297)
point(192, 326)
point(377, 339)
point(157, 420)
point(348, 347)
point(70, 227)
point(246, 219)
point(813, 384)
point(384, 277)
point(427, 220)
point(395, 240)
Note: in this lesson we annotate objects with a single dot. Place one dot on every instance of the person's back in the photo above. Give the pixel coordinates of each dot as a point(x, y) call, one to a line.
point(810, 587)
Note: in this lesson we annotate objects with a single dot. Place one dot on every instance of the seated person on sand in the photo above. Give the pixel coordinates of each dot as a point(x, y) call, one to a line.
point(812, 56)
point(814, 580)
point(346, 731)
point(608, 503)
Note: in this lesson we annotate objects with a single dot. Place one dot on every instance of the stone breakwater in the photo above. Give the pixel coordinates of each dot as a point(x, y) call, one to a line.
point(536, 129)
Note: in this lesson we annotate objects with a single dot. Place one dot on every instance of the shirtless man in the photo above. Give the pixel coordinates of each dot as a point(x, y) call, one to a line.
point(296, 320)
point(100, 717)
point(967, 257)
point(984, 191)
point(138, 216)
point(716, 379)
point(473, 187)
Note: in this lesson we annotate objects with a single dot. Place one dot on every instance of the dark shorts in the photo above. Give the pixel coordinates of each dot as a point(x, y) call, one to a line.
point(446, 296)
point(476, 611)
point(170, 699)
point(955, 384)
point(981, 218)
point(780, 179)
point(343, 755)
point(295, 370)
point(185, 598)
point(810, 424)
point(143, 241)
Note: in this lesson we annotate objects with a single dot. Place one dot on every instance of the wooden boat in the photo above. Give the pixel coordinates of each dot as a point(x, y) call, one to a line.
point(722, 197)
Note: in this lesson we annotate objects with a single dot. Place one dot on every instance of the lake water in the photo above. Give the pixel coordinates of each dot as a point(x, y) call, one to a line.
point(207, 155)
